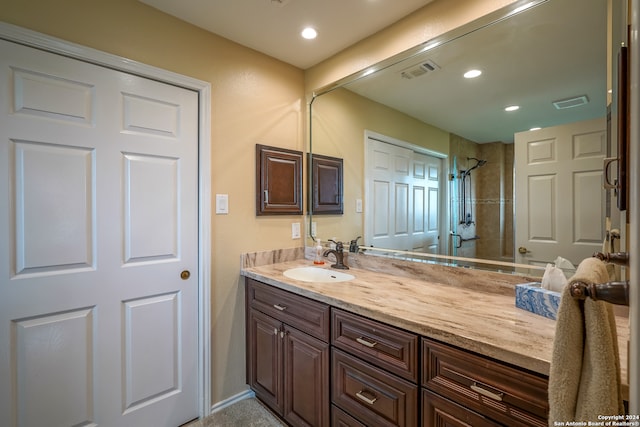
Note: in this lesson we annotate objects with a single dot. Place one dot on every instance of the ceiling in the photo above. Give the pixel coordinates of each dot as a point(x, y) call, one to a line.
point(273, 26)
point(544, 54)
point(554, 51)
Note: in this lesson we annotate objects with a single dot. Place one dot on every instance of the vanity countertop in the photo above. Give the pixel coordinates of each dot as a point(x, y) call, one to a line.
point(472, 318)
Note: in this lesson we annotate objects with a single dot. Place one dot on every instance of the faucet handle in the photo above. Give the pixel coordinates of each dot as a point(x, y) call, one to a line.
point(353, 245)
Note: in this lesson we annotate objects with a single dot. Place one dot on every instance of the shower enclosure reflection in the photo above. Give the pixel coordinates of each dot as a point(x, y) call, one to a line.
point(464, 191)
point(481, 203)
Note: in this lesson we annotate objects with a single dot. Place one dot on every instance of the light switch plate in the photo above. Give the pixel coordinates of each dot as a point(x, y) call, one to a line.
point(358, 205)
point(222, 204)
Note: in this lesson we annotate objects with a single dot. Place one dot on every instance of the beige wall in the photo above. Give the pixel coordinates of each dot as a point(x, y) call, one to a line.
point(255, 99)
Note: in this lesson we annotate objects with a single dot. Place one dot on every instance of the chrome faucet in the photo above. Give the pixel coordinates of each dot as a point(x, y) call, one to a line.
point(339, 254)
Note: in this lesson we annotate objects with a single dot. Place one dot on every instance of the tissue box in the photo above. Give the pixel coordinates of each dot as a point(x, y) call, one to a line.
point(531, 297)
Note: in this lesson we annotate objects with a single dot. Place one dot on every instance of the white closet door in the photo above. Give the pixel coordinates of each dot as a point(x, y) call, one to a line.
point(403, 201)
point(98, 213)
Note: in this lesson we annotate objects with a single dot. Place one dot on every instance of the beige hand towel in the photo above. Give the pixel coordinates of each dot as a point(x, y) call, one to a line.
point(584, 380)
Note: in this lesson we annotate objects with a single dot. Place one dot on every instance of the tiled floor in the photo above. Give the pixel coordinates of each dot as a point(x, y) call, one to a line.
point(245, 413)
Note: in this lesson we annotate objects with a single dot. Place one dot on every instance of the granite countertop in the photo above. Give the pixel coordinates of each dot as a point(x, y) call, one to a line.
point(482, 319)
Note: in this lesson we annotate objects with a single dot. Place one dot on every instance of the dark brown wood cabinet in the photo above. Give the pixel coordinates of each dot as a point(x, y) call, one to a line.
point(372, 395)
point(375, 377)
point(287, 358)
point(327, 186)
point(339, 418)
point(390, 348)
point(438, 411)
point(278, 181)
point(316, 365)
point(508, 395)
point(264, 357)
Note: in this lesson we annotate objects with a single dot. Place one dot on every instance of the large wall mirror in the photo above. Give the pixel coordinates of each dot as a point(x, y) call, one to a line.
point(434, 164)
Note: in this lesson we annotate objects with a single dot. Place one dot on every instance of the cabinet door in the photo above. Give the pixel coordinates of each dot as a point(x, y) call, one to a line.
point(326, 194)
point(278, 181)
point(438, 411)
point(306, 379)
point(265, 359)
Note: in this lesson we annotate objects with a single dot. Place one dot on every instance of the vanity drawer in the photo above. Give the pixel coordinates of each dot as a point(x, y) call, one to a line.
point(304, 314)
point(438, 411)
point(339, 418)
point(390, 348)
point(506, 394)
point(371, 395)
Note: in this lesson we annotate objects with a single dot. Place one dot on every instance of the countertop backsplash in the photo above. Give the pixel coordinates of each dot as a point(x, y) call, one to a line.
point(469, 278)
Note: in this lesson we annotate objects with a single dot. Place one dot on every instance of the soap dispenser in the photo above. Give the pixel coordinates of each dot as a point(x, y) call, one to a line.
point(318, 259)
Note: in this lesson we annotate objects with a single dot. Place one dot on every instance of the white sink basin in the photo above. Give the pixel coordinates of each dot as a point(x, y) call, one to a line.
point(315, 274)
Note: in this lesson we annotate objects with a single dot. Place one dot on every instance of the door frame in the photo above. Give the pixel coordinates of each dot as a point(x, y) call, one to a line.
point(54, 45)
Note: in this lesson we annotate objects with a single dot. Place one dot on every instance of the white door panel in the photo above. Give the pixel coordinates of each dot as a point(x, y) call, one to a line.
point(427, 180)
point(402, 211)
point(98, 178)
point(52, 184)
point(557, 211)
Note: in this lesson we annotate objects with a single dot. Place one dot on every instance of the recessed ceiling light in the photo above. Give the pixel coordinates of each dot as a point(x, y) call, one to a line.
point(535, 128)
point(472, 74)
point(309, 33)
point(512, 108)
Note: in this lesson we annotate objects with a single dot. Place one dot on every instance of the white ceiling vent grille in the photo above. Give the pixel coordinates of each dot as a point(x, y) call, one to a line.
point(418, 70)
point(571, 102)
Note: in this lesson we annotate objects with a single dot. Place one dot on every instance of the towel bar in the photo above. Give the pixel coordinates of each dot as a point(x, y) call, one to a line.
point(613, 292)
point(618, 258)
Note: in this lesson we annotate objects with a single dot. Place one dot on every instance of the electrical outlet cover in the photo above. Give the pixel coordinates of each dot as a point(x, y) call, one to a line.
point(295, 230)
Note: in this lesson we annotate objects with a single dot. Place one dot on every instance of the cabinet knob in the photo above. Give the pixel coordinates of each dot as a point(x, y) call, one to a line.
point(522, 250)
point(185, 274)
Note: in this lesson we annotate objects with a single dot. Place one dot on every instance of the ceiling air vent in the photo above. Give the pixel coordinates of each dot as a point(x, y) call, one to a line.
point(571, 102)
point(419, 69)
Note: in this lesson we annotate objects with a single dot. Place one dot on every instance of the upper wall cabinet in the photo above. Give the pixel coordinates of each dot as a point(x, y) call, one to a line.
point(278, 181)
point(327, 188)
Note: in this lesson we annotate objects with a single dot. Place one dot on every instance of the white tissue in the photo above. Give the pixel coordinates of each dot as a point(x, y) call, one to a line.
point(565, 265)
point(554, 279)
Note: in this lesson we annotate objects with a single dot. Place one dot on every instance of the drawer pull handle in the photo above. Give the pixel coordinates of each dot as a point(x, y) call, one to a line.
point(491, 395)
point(280, 307)
point(366, 399)
point(366, 343)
